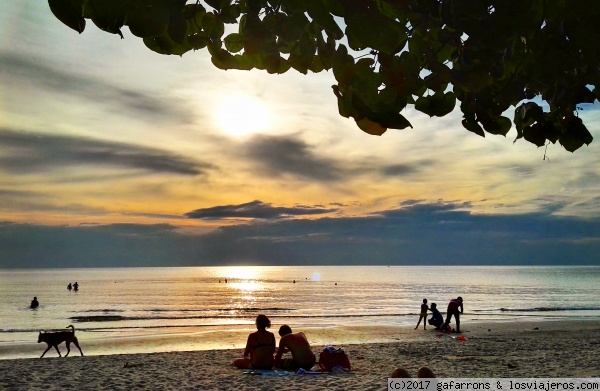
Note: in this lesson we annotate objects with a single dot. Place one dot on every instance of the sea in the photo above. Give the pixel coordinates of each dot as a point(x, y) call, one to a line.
point(133, 310)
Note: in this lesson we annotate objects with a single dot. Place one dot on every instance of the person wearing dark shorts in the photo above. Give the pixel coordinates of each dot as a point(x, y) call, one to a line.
point(436, 319)
point(455, 308)
point(297, 344)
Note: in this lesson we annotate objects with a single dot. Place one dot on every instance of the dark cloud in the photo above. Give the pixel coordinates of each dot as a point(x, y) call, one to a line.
point(27, 152)
point(51, 78)
point(255, 210)
point(286, 155)
point(415, 233)
point(400, 170)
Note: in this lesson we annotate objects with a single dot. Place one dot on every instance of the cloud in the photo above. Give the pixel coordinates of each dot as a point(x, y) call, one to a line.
point(255, 210)
point(399, 170)
point(286, 155)
point(47, 77)
point(413, 233)
point(27, 152)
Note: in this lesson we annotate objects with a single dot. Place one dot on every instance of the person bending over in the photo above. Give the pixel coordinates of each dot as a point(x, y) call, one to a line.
point(259, 347)
point(453, 309)
point(297, 344)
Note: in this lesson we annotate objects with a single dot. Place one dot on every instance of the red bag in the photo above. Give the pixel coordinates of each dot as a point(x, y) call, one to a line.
point(331, 357)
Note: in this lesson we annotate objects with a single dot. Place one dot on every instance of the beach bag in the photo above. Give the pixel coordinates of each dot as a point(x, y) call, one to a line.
point(332, 357)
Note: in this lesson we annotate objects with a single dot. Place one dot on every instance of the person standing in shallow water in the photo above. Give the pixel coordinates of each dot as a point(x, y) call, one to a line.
point(423, 315)
point(34, 303)
point(76, 286)
point(69, 287)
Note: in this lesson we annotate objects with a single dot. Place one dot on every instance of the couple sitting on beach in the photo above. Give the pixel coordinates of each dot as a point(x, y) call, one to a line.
point(261, 346)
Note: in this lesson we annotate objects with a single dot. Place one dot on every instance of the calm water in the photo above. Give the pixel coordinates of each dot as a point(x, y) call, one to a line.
point(116, 303)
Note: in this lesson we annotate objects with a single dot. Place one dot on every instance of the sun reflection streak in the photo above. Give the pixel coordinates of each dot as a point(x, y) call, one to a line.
point(246, 286)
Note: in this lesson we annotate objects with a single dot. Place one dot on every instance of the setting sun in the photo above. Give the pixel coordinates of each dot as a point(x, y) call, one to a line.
point(241, 115)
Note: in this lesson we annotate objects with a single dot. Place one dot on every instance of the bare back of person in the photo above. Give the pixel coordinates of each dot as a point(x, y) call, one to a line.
point(299, 347)
point(262, 346)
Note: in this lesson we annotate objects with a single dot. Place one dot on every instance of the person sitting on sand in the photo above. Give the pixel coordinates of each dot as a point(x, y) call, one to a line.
point(436, 317)
point(260, 347)
point(453, 309)
point(34, 303)
point(423, 315)
point(422, 373)
point(297, 344)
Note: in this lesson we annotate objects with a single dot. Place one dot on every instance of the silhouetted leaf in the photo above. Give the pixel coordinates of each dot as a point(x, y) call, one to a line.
point(230, 13)
point(428, 53)
point(526, 114)
point(393, 121)
point(370, 127)
point(69, 12)
point(105, 16)
point(472, 126)
point(163, 44)
point(147, 22)
point(177, 27)
point(576, 135)
point(535, 134)
point(438, 104)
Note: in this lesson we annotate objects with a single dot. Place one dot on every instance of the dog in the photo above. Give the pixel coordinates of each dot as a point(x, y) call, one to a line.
point(56, 338)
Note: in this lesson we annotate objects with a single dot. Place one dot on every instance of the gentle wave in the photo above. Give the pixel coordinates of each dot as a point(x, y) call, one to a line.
point(116, 318)
point(549, 309)
point(247, 309)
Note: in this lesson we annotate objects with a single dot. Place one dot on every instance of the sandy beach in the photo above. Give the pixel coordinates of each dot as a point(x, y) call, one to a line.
point(506, 350)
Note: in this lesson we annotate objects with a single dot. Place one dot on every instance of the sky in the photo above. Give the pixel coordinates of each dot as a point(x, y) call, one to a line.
point(113, 155)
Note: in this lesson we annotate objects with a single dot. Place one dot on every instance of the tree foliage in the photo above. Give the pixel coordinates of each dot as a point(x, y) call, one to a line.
point(540, 57)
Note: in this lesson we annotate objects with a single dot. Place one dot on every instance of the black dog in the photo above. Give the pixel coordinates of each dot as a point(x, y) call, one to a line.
point(56, 338)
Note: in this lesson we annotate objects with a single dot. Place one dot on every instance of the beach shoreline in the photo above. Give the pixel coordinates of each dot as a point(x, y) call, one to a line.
point(566, 348)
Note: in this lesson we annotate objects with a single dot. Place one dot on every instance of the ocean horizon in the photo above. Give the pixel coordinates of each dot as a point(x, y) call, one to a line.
point(214, 307)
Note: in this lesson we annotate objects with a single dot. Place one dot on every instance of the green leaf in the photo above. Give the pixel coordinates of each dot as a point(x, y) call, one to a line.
point(230, 13)
point(344, 99)
point(234, 42)
point(213, 27)
point(343, 66)
point(198, 41)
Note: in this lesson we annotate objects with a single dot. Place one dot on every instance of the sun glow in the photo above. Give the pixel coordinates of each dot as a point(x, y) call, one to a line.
point(241, 115)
